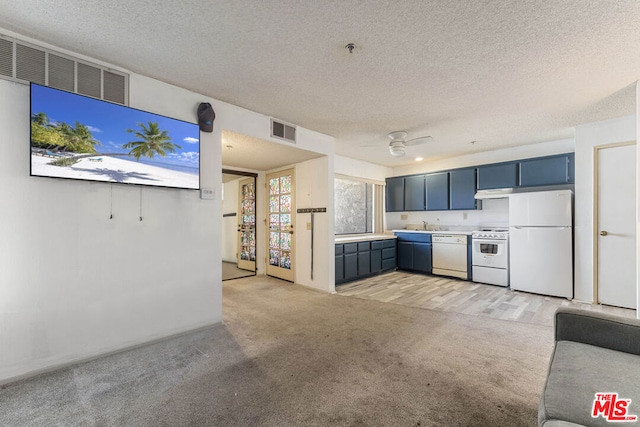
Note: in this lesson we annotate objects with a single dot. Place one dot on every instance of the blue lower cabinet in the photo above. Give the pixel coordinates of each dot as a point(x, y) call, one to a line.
point(422, 257)
point(389, 255)
point(364, 263)
point(376, 261)
point(350, 266)
point(359, 260)
point(414, 252)
point(405, 255)
point(339, 268)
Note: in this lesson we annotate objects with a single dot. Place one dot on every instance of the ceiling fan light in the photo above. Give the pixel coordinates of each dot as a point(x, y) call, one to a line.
point(396, 151)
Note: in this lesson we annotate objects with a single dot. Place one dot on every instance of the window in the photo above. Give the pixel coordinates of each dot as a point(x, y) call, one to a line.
point(357, 205)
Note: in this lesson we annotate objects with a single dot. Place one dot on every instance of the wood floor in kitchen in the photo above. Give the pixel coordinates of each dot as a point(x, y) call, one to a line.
point(460, 296)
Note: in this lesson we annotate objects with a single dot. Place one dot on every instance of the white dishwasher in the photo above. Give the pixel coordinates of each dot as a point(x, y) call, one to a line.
point(450, 255)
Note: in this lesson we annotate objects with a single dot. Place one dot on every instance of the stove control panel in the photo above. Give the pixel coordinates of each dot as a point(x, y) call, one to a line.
point(496, 235)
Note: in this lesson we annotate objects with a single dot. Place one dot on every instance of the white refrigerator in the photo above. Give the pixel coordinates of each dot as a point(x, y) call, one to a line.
point(541, 242)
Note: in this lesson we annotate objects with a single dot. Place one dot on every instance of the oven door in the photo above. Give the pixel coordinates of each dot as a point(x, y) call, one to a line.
point(490, 253)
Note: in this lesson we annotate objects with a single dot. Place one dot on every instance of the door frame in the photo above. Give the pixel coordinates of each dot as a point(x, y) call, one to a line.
point(596, 203)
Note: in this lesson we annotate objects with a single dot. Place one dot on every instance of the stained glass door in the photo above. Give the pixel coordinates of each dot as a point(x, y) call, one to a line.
point(281, 217)
point(247, 224)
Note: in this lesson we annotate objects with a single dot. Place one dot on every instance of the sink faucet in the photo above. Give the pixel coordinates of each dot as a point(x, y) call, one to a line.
point(425, 225)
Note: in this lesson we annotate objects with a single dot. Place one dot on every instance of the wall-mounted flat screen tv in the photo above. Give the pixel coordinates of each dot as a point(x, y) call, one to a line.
point(77, 137)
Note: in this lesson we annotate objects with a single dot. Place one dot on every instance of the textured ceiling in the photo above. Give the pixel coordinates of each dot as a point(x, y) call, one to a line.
point(501, 73)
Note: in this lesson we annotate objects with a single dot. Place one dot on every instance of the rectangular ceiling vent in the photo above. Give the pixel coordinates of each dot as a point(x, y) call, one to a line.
point(283, 131)
point(26, 62)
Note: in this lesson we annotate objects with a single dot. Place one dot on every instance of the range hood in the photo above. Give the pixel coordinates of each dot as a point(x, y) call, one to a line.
point(498, 193)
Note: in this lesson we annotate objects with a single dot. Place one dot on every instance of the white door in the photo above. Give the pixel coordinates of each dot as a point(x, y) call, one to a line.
point(281, 217)
point(616, 228)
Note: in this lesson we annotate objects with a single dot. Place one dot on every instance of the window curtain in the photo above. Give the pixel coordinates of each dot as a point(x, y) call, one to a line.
point(378, 208)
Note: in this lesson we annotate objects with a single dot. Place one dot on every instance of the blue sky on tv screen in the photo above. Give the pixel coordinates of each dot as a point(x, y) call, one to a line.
point(109, 122)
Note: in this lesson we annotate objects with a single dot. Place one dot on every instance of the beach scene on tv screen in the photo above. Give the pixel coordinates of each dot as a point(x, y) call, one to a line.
point(78, 137)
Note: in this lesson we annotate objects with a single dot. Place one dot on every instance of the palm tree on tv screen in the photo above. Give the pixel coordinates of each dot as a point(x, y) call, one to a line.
point(151, 141)
point(40, 118)
point(61, 137)
point(79, 138)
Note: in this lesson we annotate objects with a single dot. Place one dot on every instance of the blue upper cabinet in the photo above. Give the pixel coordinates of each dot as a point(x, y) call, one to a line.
point(502, 175)
point(547, 170)
point(414, 193)
point(462, 188)
point(456, 189)
point(437, 191)
point(395, 194)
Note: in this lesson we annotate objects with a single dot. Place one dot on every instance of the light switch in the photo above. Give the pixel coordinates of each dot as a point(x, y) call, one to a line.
point(207, 193)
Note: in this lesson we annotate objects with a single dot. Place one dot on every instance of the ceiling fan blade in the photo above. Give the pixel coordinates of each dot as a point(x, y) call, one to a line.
point(418, 141)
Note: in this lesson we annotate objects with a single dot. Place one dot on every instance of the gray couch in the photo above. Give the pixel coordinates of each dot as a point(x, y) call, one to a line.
point(594, 353)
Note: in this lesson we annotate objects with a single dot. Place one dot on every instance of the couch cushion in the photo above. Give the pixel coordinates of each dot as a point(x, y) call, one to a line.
point(577, 372)
point(558, 423)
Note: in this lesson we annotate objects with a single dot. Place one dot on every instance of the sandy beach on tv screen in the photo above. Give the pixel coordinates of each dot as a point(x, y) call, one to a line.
point(113, 169)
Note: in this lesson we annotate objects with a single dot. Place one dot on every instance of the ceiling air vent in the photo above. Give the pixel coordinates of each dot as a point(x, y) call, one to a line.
point(283, 131)
point(6, 58)
point(30, 64)
point(23, 61)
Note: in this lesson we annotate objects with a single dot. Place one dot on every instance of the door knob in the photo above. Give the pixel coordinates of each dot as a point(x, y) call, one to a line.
point(603, 233)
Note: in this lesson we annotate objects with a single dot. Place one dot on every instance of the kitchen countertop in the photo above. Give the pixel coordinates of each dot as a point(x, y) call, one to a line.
point(464, 232)
point(363, 237)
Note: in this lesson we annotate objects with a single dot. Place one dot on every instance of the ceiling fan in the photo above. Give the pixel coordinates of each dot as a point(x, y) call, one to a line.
point(399, 142)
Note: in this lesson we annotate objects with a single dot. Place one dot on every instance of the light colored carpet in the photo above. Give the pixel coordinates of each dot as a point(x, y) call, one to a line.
point(289, 356)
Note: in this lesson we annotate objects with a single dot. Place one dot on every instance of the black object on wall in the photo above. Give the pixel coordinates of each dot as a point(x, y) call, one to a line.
point(206, 116)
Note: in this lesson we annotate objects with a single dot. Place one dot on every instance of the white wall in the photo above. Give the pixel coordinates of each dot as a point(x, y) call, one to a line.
point(313, 181)
point(360, 169)
point(494, 213)
point(589, 136)
point(230, 224)
point(74, 283)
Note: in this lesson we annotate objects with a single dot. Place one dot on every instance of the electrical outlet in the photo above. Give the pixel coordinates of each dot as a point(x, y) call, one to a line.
point(404, 217)
point(308, 226)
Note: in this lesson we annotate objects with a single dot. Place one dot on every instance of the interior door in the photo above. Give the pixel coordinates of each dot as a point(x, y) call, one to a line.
point(247, 224)
point(281, 224)
point(616, 231)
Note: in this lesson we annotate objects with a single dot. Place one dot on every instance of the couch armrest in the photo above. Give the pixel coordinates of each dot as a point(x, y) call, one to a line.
point(598, 329)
